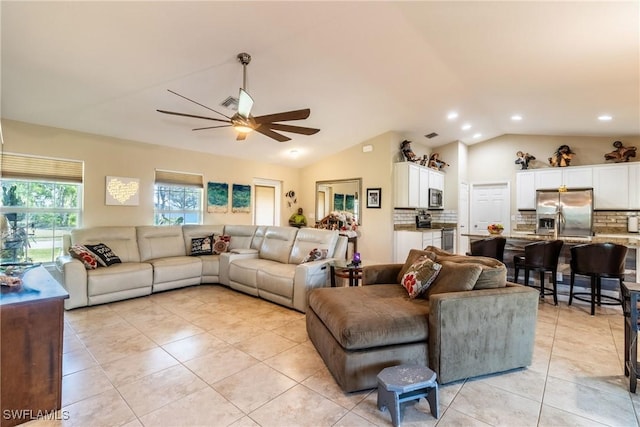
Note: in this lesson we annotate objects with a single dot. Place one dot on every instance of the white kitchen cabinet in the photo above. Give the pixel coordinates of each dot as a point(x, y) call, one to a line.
point(411, 184)
point(436, 179)
point(525, 190)
point(634, 189)
point(611, 187)
point(404, 241)
point(548, 178)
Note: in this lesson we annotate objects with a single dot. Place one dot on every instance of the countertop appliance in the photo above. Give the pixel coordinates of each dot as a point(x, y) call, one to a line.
point(565, 213)
point(423, 220)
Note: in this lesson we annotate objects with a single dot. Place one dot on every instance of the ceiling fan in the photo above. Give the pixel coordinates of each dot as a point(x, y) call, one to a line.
point(243, 122)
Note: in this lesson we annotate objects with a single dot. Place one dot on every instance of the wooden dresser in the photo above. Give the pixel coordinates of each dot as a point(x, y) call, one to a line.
point(31, 331)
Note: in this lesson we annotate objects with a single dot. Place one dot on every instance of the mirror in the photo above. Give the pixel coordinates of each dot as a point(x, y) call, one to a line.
point(339, 195)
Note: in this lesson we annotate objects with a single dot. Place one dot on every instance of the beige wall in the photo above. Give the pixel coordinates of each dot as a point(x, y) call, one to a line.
point(375, 168)
point(105, 156)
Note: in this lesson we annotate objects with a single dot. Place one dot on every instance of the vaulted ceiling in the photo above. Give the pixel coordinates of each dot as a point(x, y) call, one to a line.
point(363, 68)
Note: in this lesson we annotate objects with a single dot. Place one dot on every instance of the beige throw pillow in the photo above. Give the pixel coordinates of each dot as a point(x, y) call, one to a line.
point(454, 277)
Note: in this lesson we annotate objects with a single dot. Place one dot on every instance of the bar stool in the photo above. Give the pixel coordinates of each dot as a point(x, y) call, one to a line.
point(541, 257)
point(597, 260)
point(492, 247)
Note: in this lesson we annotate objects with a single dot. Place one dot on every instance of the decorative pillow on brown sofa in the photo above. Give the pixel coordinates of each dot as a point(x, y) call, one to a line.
point(414, 254)
point(454, 277)
point(419, 276)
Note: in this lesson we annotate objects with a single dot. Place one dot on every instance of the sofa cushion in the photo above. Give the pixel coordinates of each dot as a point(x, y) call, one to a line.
point(160, 241)
point(201, 246)
point(122, 240)
point(494, 272)
point(454, 277)
point(414, 254)
point(176, 268)
point(277, 243)
point(241, 235)
point(308, 239)
point(119, 277)
point(245, 270)
point(371, 316)
point(103, 254)
point(420, 275)
point(277, 278)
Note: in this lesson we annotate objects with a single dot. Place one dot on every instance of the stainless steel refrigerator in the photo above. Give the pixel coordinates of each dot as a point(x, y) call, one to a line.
point(569, 213)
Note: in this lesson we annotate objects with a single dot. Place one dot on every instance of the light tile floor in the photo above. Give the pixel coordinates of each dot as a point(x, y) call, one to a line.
point(210, 356)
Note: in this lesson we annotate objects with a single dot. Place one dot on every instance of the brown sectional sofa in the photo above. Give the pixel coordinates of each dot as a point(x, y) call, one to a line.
point(489, 328)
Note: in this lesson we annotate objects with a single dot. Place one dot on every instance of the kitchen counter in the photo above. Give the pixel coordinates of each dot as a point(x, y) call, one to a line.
point(630, 240)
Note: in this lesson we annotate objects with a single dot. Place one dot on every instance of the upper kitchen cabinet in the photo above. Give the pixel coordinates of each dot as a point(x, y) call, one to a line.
point(412, 183)
point(525, 190)
point(616, 186)
point(571, 177)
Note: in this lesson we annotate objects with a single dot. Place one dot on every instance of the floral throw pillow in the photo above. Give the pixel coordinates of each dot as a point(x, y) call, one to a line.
point(104, 254)
point(202, 246)
point(420, 275)
point(81, 253)
point(316, 254)
point(221, 244)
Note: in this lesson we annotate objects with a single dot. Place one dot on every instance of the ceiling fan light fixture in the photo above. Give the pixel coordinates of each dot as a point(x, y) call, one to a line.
point(242, 128)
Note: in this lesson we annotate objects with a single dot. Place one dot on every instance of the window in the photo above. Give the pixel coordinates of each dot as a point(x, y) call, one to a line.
point(177, 198)
point(41, 201)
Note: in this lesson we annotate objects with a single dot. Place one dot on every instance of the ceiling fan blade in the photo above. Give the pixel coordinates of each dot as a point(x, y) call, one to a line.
point(245, 103)
point(197, 103)
point(271, 134)
point(283, 117)
point(241, 136)
point(173, 113)
point(290, 128)
point(212, 127)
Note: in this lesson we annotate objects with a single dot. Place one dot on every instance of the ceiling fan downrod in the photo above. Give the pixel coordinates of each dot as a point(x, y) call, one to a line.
point(244, 59)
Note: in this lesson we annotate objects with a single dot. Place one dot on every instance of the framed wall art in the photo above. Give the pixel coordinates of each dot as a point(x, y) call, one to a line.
point(217, 197)
point(374, 197)
point(241, 198)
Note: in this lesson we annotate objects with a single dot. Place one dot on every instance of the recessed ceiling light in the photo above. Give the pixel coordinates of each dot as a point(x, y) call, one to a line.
point(294, 153)
point(605, 118)
point(452, 115)
point(516, 117)
point(466, 126)
point(477, 135)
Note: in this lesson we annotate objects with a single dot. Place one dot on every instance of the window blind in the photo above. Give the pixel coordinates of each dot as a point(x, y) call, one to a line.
point(41, 168)
point(179, 178)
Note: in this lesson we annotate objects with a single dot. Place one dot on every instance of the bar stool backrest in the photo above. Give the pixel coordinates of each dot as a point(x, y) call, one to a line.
point(604, 259)
point(543, 254)
point(492, 247)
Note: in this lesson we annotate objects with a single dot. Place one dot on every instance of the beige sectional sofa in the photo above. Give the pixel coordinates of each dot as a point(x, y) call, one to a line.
point(460, 330)
point(263, 261)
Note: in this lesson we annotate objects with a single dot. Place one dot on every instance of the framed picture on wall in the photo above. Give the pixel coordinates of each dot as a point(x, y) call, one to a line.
point(374, 197)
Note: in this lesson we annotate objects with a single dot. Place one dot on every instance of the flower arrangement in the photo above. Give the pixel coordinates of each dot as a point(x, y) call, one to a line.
point(495, 228)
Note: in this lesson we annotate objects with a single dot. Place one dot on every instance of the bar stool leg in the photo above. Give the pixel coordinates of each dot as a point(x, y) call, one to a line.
point(573, 277)
point(516, 270)
point(542, 284)
point(554, 280)
point(593, 295)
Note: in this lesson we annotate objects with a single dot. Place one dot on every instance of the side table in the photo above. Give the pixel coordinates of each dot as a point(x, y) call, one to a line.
point(343, 270)
point(630, 296)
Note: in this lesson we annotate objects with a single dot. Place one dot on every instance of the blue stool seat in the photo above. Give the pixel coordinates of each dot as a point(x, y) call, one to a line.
point(403, 383)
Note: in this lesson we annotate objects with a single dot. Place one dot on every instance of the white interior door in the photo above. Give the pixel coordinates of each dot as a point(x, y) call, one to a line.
point(490, 204)
point(463, 219)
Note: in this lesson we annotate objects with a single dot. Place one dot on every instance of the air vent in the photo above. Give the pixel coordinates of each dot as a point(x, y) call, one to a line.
point(230, 103)
point(431, 135)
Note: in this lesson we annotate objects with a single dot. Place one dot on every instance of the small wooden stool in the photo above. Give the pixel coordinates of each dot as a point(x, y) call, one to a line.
point(403, 383)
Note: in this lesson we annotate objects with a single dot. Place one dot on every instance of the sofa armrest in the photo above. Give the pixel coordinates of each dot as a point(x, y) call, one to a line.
point(479, 332)
point(72, 275)
point(380, 274)
point(307, 276)
point(226, 258)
